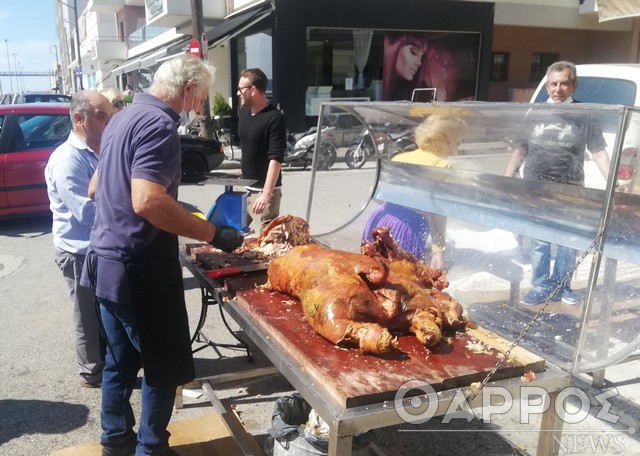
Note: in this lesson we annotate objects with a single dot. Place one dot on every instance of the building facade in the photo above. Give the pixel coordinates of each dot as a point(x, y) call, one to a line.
point(317, 50)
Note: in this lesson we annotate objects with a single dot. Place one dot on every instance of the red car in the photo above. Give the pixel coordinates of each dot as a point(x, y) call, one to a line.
point(29, 133)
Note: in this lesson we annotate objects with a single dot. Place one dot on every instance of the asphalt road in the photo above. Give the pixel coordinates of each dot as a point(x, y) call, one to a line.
point(42, 408)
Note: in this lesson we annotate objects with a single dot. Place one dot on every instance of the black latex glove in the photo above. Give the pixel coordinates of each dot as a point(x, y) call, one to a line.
point(227, 238)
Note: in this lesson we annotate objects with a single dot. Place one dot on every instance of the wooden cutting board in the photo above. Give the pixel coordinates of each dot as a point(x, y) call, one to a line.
point(356, 379)
point(209, 258)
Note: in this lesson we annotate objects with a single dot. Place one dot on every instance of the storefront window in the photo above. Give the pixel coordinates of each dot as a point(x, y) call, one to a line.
point(254, 51)
point(388, 65)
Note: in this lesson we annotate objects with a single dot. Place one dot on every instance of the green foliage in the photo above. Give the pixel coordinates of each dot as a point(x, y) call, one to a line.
point(220, 106)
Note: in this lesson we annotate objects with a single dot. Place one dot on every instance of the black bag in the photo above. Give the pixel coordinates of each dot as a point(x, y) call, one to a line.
point(291, 412)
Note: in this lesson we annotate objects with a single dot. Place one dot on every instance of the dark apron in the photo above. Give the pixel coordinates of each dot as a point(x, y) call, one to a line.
point(155, 279)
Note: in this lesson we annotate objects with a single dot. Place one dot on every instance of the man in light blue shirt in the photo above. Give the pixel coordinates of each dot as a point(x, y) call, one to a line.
point(68, 174)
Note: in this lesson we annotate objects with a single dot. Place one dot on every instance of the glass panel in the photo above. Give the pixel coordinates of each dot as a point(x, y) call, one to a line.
point(145, 33)
point(254, 51)
point(503, 237)
point(41, 131)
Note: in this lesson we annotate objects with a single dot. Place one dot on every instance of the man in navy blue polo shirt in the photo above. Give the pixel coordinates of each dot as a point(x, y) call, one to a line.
point(133, 260)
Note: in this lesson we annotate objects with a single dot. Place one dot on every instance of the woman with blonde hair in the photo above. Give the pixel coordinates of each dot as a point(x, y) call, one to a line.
point(437, 138)
point(115, 98)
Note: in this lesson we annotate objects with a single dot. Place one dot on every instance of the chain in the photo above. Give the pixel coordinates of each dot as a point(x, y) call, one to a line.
point(535, 318)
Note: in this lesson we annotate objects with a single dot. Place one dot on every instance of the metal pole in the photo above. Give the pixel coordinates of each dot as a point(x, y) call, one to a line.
point(6, 43)
point(15, 67)
point(197, 29)
point(57, 72)
point(79, 72)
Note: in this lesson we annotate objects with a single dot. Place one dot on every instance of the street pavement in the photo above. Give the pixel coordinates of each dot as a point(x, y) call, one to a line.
point(42, 407)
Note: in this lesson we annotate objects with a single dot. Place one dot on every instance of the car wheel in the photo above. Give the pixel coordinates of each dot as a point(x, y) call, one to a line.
point(193, 168)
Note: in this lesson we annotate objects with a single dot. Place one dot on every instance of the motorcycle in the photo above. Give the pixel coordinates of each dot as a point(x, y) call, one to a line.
point(300, 151)
point(365, 147)
point(401, 141)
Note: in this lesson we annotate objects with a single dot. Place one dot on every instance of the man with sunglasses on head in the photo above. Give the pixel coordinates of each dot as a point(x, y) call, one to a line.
point(262, 135)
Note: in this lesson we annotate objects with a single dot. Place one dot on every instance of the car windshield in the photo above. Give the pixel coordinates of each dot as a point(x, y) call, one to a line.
point(46, 98)
point(601, 90)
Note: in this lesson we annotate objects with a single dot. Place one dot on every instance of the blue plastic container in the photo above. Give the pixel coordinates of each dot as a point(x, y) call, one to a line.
point(230, 209)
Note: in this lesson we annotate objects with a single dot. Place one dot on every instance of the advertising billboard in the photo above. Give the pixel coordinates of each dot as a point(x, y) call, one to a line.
point(444, 61)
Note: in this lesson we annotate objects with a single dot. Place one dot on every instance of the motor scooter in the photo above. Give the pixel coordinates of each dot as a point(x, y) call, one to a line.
point(300, 151)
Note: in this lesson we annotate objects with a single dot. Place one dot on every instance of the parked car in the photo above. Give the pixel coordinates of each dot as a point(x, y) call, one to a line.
point(607, 84)
point(29, 133)
point(40, 97)
point(344, 130)
point(199, 155)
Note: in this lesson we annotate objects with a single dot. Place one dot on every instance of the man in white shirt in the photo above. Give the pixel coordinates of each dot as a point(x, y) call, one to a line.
point(68, 174)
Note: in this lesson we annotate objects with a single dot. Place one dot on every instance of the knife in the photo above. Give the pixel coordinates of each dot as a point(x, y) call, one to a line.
point(216, 273)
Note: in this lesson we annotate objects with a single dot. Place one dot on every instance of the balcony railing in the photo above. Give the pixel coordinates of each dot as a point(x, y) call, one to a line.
point(144, 33)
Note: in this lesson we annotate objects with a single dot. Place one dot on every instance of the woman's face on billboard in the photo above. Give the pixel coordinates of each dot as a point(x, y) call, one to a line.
point(409, 61)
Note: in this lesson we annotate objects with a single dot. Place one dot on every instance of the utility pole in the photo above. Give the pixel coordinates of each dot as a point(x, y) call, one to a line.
point(6, 43)
point(58, 83)
point(79, 69)
point(197, 27)
point(15, 67)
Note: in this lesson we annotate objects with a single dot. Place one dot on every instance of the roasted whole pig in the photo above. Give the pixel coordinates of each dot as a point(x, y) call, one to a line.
point(364, 299)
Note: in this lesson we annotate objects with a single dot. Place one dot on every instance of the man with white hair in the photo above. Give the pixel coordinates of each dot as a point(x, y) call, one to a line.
point(553, 150)
point(133, 261)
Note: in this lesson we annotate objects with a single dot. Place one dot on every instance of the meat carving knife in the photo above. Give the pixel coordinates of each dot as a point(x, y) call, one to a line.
point(216, 273)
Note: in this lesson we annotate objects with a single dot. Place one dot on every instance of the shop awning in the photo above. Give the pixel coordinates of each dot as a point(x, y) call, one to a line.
point(617, 9)
point(154, 56)
point(237, 24)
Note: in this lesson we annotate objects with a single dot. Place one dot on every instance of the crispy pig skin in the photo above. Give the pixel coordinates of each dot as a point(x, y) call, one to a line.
point(333, 288)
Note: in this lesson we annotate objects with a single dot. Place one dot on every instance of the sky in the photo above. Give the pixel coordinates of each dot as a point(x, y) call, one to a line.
point(30, 28)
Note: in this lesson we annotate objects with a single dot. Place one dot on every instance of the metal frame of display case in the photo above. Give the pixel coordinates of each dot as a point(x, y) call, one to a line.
point(569, 215)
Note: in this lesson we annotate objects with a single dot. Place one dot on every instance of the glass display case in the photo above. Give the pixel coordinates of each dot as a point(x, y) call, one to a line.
point(491, 214)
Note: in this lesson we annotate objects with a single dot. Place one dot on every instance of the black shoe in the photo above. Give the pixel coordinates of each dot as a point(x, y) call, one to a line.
point(534, 298)
point(107, 452)
point(126, 451)
point(170, 452)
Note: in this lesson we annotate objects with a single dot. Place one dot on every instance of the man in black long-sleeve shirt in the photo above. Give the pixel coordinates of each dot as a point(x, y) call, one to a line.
point(263, 142)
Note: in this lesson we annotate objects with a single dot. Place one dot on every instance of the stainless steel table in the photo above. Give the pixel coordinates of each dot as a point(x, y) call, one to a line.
point(346, 418)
